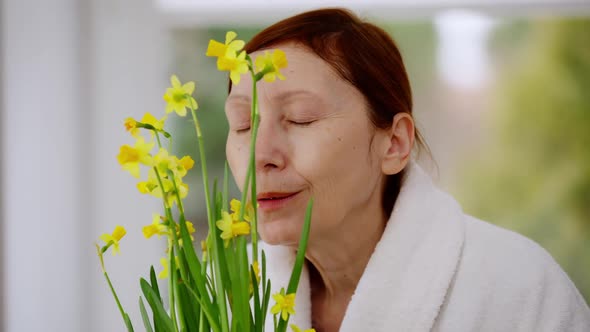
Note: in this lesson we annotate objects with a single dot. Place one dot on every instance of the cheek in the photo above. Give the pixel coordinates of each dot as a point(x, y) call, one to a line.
point(332, 151)
point(337, 164)
point(236, 153)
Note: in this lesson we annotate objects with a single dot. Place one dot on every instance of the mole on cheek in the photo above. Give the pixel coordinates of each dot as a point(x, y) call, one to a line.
point(339, 139)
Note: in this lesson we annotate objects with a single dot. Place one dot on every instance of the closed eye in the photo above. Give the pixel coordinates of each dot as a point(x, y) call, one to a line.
point(301, 123)
point(243, 130)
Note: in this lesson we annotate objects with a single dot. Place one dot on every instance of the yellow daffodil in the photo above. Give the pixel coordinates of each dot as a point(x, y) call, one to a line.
point(236, 65)
point(184, 164)
point(191, 230)
point(256, 269)
point(151, 120)
point(236, 207)
point(229, 57)
point(130, 157)
point(165, 162)
point(204, 249)
point(231, 47)
point(166, 268)
point(270, 64)
point(285, 304)
point(230, 229)
point(296, 328)
point(256, 275)
point(131, 126)
point(179, 97)
point(156, 227)
point(114, 238)
point(148, 121)
point(152, 187)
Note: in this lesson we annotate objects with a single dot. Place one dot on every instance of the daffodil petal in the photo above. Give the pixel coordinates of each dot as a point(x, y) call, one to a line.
point(216, 48)
point(189, 87)
point(229, 36)
point(175, 81)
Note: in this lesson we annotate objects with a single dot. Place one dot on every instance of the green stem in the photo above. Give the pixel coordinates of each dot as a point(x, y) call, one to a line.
point(158, 139)
point(171, 243)
point(214, 250)
point(255, 124)
point(106, 275)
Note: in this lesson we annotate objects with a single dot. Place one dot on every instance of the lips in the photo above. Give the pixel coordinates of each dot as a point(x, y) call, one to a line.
point(269, 201)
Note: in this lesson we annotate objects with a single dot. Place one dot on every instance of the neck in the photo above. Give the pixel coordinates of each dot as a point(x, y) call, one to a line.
point(339, 258)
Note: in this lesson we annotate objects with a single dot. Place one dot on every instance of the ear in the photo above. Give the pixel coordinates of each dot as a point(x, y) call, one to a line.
point(398, 147)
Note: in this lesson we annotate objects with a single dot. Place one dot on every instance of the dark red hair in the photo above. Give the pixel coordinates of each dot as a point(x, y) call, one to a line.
point(362, 54)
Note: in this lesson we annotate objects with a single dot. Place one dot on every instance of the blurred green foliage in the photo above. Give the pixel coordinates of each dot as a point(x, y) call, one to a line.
point(534, 175)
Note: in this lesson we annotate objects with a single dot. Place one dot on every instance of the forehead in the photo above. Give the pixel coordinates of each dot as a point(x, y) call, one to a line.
point(305, 71)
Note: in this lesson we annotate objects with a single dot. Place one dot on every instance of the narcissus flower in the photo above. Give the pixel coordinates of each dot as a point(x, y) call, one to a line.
point(231, 47)
point(256, 269)
point(131, 126)
point(114, 238)
point(152, 187)
point(184, 164)
point(296, 328)
point(151, 120)
point(204, 249)
point(230, 229)
point(191, 230)
point(236, 65)
point(156, 227)
point(229, 57)
point(130, 157)
point(270, 64)
point(179, 97)
point(165, 162)
point(236, 207)
point(148, 121)
point(285, 304)
point(166, 268)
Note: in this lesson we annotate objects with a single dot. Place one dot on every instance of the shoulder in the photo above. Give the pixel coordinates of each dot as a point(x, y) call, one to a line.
point(507, 275)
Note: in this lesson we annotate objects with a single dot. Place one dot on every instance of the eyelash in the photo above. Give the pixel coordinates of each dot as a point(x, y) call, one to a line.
point(300, 124)
point(243, 130)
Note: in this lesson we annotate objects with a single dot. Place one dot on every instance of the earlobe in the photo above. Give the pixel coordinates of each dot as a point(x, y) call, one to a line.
point(399, 145)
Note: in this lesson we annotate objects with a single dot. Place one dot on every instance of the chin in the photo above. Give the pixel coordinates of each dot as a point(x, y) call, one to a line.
point(275, 233)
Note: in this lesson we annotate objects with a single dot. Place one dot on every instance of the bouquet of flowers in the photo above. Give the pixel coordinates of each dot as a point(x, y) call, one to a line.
point(220, 288)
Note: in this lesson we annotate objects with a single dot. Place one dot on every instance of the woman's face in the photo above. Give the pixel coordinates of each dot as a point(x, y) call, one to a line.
point(314, 140)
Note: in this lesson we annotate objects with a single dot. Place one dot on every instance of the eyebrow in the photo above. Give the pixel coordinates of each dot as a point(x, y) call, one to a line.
point(281, 96)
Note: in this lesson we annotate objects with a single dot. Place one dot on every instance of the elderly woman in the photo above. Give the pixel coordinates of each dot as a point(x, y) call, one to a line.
point(388, 251)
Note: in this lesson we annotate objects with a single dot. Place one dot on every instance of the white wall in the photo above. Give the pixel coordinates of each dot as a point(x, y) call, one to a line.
point(41, 144)
point(72, 71)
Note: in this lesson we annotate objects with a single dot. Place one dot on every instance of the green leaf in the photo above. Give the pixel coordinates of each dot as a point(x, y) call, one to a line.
point(145, 317)
point(160, 314)
point(191, 309)
point(299, 260)
point(154, 282)
point(257, 307)
point(128, 323)
point(265, 302)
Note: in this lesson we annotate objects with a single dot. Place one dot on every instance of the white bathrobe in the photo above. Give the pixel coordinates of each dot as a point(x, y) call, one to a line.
point(438, 269)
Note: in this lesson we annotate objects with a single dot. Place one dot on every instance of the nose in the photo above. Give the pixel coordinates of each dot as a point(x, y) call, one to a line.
point(270, 146)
